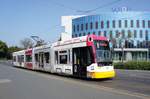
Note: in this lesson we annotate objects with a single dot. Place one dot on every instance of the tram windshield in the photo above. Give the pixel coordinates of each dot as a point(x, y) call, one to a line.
point(103, 52)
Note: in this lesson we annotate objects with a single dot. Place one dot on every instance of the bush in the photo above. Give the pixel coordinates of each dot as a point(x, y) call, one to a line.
point(133, 65)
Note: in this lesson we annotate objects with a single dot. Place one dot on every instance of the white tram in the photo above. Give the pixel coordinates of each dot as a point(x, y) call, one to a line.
point(87, 57)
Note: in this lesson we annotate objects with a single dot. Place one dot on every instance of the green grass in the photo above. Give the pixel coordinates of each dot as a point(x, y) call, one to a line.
point(133, 65)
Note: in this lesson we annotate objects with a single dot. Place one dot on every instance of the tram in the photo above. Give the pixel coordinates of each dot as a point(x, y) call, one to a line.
point(85, 57)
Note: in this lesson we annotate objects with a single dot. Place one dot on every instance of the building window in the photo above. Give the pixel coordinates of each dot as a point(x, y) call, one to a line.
point(81, 27)
point(117, 33)
point(105, 33)
point(146, 35)
point(96, 25)
point(102, 24)
point(135, 33)
point(132, 23)
point(76, 35)
point(137, 24)
point(91, 25)
point(83, 34)
point(126, 23)
point(77, 27)
point(74, 28)
point(80, 34)
point(129, 34)
point(86, 26)
point(123, 33)
point(141, 35)
point(138, 44)
point(143, 23)
point(113, 24)
point(99, 33)
point(110, 35)
point(148, 23)
point(119, 23)
point(107, 24)
point(94, 33)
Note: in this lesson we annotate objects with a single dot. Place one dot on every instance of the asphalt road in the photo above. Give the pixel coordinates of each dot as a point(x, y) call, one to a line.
point(16, 83)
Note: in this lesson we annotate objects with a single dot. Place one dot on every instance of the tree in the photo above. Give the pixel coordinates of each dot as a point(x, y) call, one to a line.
point(27, 43)
point(14, 49)
point(3, 49)
point(11, 50)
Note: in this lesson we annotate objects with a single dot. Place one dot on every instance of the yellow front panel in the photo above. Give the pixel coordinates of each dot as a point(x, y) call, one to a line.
point(108, 74)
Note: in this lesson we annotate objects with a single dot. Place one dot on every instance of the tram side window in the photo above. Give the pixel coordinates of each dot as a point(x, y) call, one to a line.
point(22, 58)
point(56, 57)
point(63, 59)
point(46, 57)
point(14, 58)
point(28, 58)
point(36, 58)
point(68, 56)
point(18, 57)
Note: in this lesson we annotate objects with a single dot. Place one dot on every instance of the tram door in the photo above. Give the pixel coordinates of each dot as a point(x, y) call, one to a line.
point(41, 59)
point(79, 68)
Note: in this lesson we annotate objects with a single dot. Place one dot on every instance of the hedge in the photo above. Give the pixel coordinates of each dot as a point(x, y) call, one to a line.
point(133, 65)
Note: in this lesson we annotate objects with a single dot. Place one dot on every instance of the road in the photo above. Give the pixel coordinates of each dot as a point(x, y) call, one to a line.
point(16, 83)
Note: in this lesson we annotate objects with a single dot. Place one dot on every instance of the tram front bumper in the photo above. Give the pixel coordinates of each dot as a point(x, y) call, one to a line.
point(100, 75)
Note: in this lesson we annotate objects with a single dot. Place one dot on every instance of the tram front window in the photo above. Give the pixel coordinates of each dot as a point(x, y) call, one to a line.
point(103, 53)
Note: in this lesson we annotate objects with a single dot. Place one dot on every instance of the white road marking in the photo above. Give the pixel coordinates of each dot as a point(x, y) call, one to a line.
point(5, 81)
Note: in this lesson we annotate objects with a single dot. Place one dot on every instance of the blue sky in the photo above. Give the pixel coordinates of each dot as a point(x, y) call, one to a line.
point(22, 18)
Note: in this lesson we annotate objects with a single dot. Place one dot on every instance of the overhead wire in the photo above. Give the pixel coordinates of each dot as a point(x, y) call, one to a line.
point(64, 6)
point(82, 11)
point(85, 11)
point(101, 6)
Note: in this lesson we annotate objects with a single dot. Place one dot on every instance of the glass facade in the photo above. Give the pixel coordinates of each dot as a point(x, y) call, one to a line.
point(132, 27)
